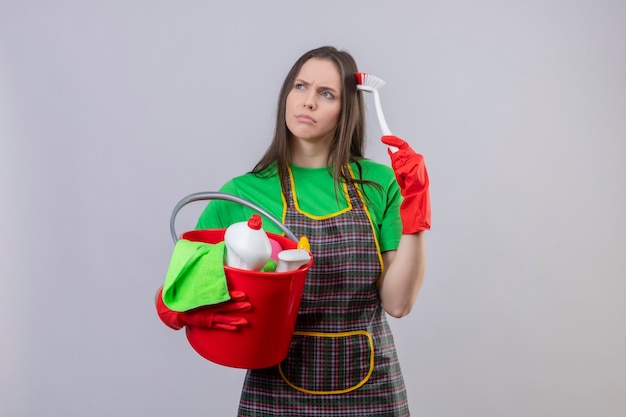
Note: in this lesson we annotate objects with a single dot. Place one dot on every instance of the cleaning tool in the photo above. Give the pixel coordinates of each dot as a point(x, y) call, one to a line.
point(303, 243)
point(412, 177)
point(274, 297)
point(292, 259)
point(195, 276)
point(276, 248)
point(408, 166)
point(371, 83)
point(247, 245)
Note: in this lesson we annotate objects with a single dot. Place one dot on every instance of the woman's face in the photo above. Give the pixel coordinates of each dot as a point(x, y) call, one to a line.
point(314, 102)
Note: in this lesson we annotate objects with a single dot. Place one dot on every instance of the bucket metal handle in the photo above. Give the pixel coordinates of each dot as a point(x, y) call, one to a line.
point(213, 195)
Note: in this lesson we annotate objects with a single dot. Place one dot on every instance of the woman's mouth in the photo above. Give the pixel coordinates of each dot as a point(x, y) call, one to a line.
point(305, 118)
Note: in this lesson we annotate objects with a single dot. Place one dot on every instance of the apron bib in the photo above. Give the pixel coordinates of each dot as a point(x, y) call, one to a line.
point(342, 360)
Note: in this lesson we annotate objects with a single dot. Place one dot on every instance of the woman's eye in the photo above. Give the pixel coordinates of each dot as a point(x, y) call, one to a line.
point(327, 94)
point(299, 86)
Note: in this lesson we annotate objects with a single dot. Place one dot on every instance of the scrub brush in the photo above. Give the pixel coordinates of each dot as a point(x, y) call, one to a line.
point(371, 83)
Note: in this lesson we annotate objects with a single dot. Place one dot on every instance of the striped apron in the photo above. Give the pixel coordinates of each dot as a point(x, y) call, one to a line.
point(342, 360)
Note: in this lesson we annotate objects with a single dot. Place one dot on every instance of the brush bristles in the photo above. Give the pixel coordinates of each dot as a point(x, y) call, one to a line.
point(369, 80)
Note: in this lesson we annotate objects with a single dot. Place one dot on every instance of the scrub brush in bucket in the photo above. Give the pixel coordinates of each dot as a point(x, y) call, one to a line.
point(371, 83)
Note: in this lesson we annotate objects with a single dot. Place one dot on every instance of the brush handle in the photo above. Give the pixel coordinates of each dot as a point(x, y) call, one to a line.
point(381, 119)
point(381, 116)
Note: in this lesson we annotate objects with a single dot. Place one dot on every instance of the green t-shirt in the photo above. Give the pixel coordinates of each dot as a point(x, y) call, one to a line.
point(315, 194)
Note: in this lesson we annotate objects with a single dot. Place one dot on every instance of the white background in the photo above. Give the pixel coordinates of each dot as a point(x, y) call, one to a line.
point(111, 112)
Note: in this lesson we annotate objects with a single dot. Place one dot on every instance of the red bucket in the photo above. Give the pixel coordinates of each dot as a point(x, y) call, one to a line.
point(275, 299)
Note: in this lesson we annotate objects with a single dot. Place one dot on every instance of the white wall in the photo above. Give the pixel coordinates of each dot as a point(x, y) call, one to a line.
point(111, 112)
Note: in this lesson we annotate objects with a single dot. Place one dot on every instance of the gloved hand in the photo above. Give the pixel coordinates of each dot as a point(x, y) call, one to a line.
point(216, 316)
point(412, 177)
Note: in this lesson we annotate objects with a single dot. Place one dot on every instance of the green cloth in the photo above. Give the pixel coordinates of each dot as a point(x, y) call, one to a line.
point(315, 192)
point(195, 276)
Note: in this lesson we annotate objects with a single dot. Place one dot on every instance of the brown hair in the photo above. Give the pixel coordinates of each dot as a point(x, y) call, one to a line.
point(348, 142)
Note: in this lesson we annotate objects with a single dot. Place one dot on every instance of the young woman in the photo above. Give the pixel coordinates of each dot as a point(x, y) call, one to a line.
point(365, 224)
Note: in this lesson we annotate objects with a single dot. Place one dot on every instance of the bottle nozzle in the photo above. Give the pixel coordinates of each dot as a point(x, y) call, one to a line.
point(255, 222)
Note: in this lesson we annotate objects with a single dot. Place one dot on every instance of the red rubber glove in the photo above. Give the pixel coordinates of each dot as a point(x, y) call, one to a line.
point(215, 316)
point(412, 177)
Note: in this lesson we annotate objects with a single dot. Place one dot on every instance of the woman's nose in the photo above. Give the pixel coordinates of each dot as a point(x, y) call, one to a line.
point(309, 101)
